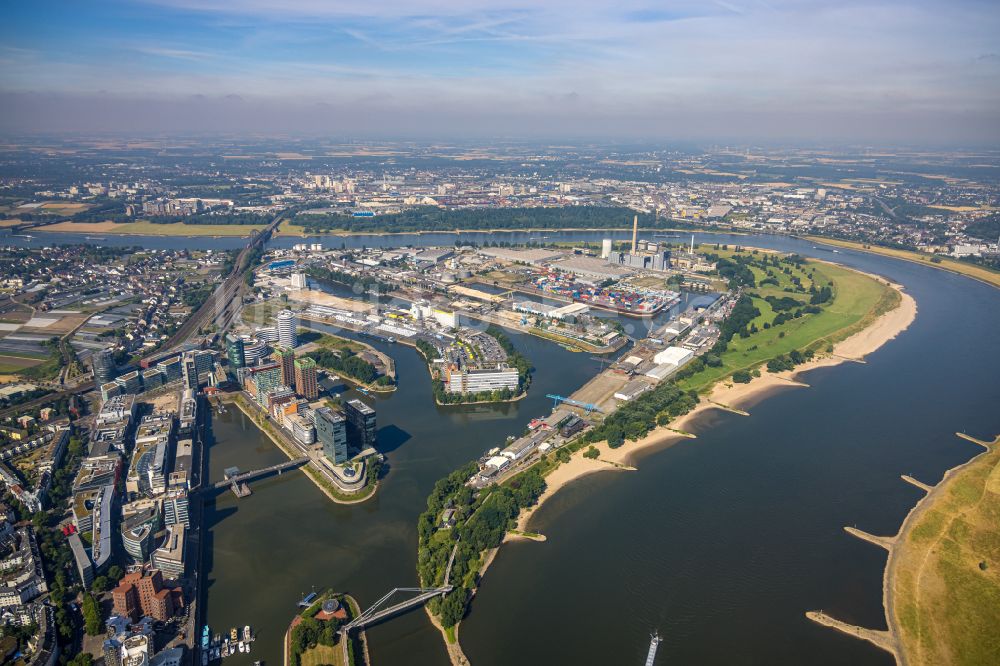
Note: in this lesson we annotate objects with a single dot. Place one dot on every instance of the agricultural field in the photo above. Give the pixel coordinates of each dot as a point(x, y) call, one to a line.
point(146, 228)
point(12, 365)
point(65, 207)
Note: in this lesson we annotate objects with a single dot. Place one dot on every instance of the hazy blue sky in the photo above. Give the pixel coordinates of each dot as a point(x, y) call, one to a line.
point(923, 71)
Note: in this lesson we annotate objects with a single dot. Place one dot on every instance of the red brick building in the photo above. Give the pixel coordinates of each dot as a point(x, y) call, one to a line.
point(142, 594)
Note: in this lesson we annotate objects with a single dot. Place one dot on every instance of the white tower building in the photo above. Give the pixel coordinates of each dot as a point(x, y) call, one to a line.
point(288, 329)
point(605, 248)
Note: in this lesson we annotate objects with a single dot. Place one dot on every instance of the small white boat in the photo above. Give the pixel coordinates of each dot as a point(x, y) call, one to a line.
point(246, 634)
point(243, 647)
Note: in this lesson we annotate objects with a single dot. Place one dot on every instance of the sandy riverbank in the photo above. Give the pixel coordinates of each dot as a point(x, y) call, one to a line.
point(455, 653)
point(728, 396)
point(337, 233)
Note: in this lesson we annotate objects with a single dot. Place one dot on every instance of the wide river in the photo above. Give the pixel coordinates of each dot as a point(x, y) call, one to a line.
point(720, 543)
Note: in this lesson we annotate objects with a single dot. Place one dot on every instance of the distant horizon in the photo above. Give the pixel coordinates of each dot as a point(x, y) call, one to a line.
point(638, 143)
point(895, 72)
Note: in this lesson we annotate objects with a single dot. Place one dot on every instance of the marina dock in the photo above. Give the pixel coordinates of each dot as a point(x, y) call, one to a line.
point(654, 645)
point(241, 489)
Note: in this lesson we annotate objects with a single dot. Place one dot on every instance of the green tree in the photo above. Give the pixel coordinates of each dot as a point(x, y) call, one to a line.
point(82, 659)
point(100, 585)
point(93, 623)
point(741, 377)
point(453, 607)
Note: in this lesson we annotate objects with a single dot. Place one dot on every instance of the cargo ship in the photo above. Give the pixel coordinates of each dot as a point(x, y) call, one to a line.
point(375, 336)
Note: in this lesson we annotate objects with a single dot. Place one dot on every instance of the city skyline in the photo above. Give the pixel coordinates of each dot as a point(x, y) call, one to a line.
point(918, 73)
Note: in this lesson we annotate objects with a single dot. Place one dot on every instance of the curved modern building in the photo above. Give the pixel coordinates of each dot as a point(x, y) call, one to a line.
point(288, 329)
point(104, 366)
point(254, 351)
point(139, 533)
point(103, 517)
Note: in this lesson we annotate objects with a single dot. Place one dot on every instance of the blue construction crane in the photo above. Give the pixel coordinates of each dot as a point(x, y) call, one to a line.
point(556, 399)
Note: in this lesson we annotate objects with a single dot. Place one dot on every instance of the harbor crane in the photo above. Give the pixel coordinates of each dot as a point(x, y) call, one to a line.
point(556, 399)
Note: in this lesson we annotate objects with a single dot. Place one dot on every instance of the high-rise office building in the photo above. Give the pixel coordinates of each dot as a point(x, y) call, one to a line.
point(360, 424)
point(140, 533)
point(104, 366)
point(331, 433)
point(172, 369)
point(190, 369)
point(204, 361)
point(285, 358)
point(288, 329)
point(234, 351)
point(130, 382)
point(305, 378)
point(261, 379)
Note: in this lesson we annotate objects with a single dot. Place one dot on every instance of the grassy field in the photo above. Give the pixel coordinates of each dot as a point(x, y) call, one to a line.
point(946, 575)
point(65, 207)
point(323, 654)
point(47, 369)
point(146, 228)
point(288, 229)
point(858, 300)
point(980, 273)
point(329, 341)
point(262, 314)
point(17, 364)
